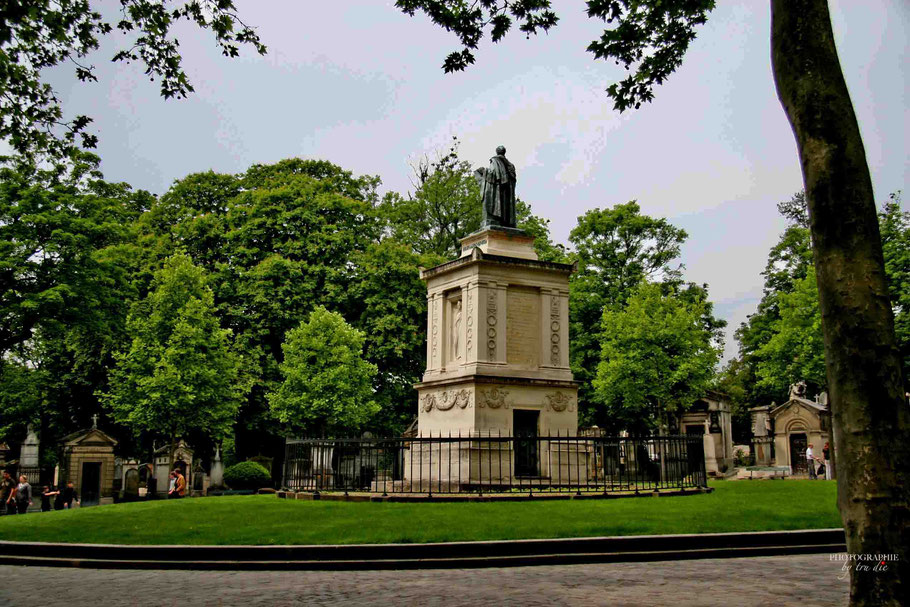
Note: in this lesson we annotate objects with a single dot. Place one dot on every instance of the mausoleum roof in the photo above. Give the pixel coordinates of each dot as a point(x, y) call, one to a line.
point(89, 435)
point(802, 401)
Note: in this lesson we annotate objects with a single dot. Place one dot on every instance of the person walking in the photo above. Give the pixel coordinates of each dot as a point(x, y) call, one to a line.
point(23, 495)
point(810, 459)
point(826, 453)
point(179, 483)
point(69, 495)
point(171, 482)
point(7, 491)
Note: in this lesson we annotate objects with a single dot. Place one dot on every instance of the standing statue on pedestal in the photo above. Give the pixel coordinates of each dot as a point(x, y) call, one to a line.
point(497, 191)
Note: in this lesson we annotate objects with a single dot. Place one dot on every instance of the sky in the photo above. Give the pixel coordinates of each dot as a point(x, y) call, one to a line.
point(360, 84)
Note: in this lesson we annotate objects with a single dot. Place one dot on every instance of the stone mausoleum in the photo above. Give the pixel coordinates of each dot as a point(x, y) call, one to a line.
point(781, 433)
point(88, 462)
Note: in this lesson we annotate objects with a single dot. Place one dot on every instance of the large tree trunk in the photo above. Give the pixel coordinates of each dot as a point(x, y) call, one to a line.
point(871, 419)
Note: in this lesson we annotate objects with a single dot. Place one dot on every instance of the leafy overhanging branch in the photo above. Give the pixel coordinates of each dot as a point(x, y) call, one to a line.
point(36, 35)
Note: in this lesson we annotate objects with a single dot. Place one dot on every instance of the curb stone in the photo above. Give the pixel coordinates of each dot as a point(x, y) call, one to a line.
point(500, 553)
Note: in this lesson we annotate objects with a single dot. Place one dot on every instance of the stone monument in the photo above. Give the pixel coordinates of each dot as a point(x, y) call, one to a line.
point(217, 476)
point(498, 337)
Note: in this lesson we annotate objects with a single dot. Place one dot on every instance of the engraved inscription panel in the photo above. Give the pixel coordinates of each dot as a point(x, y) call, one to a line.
point(522, 326)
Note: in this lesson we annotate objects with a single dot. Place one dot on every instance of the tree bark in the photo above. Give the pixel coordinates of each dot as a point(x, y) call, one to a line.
point(871, 418)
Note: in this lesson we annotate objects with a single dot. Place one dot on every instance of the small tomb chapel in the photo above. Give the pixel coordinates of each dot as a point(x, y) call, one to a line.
point(781, 433)
point(88, 461)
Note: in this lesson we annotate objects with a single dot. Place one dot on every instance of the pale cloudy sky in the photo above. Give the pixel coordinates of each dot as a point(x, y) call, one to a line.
point(360, 84)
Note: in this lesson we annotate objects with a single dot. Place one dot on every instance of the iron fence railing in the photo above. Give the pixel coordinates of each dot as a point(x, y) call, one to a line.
point(494, 464)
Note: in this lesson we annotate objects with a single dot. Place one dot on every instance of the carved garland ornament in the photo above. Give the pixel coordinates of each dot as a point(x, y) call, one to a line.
point(560, 401)
point(435, 330)
point(554, 328)
point(448, 399)
point(494, 398)
point(491, 324)
point(470, 325)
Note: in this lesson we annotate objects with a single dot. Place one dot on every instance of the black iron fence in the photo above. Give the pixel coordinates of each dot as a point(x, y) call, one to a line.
point(495, 464)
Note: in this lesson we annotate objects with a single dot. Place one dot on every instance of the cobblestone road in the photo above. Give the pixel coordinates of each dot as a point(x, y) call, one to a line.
point(806, 581)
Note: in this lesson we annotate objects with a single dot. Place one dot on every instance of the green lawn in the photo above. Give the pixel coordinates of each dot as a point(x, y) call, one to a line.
point(261, 519)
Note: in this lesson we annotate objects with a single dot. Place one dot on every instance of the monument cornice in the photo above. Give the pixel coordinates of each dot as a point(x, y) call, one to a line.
point(478, 257)
point(482, 378)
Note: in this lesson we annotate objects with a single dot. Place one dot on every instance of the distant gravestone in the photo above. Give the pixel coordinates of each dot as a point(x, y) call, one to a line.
point(198, 476)
point(131, 485)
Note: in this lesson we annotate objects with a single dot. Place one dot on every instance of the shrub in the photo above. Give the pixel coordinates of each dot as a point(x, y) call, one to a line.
point(247, 475)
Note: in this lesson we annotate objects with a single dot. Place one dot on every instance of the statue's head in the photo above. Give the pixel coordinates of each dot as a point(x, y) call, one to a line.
point(501, 150)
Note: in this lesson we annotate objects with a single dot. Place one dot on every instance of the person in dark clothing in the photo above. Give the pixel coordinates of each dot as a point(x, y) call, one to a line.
point(7, 489)
point(151, 485)
point(69, 495)
point(46, 494)
point(58, 500)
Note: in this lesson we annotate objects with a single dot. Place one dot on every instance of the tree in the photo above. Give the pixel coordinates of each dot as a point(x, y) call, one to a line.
point(443, 209)
point(895, 229)
point(617, 249)
point(870, 413)
point(796, 349)
point(51, 228)
point(327, 385)
point(657, 358)
point(64, 297)
point(389, 306)
point(37, 36)
point(789, 262)
point(179, 377)
point(871, 418)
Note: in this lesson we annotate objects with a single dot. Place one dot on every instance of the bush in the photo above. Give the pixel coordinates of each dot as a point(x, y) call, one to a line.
point(247, 475)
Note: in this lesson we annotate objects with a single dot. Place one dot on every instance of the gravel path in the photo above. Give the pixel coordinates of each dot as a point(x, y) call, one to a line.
point(806, 581)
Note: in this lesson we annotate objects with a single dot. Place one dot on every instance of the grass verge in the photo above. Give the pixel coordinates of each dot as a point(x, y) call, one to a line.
point(260, 519)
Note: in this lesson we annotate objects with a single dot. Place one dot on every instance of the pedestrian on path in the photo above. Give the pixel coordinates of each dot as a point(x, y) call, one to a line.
point(811, 459)
point(826, 453)
point(7, 490)
point(179, 484)
point(69, 495)
point(23, 495)
point(46, 494)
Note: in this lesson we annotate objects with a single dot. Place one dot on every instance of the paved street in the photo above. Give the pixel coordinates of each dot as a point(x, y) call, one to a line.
point(806, 581)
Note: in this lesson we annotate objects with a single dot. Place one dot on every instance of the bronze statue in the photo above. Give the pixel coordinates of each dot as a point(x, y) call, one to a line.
point(497, 191)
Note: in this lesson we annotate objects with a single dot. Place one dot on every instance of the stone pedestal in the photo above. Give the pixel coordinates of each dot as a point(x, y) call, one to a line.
point(497, 351)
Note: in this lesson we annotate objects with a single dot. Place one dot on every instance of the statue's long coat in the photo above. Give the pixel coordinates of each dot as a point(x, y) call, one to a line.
point(498, 191)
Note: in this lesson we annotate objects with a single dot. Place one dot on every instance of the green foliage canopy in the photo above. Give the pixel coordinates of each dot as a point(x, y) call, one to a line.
point(37, 36)
point(327, 384)
point(179, 375)
point(658, 357)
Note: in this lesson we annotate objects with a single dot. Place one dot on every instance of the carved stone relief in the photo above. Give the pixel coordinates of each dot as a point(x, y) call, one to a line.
point(560, 401)
point(445, 400)
point(491, 324)
point(469, 323)
point(494, 398)
point(435, 330)
point(554, 330)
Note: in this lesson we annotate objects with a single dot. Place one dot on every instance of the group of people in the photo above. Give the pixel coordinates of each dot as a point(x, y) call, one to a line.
point(825, 467)
point(176, 487)
point(15, 498)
